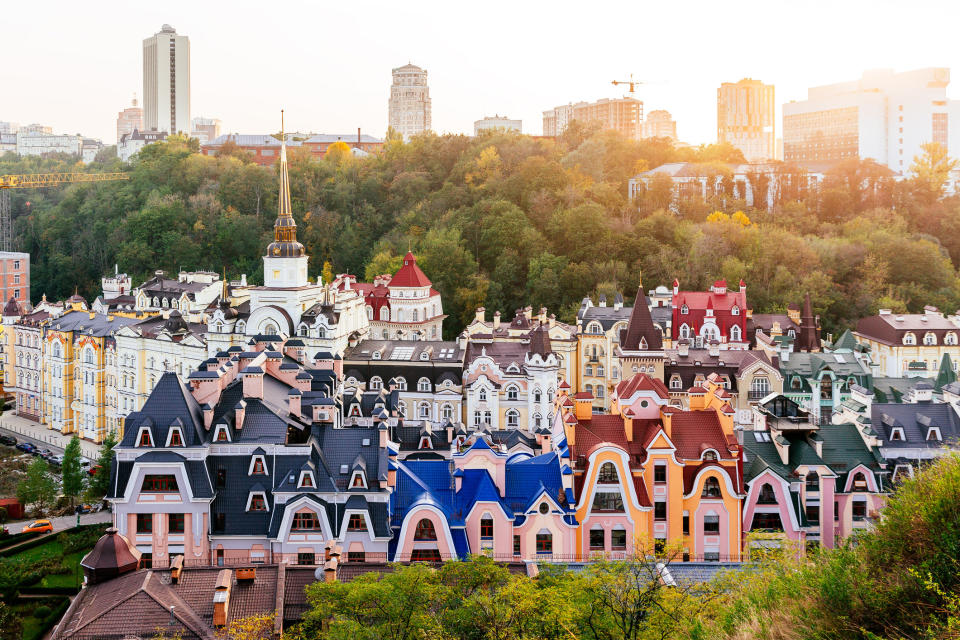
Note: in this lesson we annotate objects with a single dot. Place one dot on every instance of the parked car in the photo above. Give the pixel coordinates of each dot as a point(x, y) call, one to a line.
point(45, 453)
point(85, 462)
point(94, 469)
point(41, 526)
point(26, 447)
point(10, 441)
point(56, 459)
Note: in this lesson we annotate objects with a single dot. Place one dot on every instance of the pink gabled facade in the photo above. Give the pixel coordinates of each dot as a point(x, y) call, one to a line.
point(718, 315)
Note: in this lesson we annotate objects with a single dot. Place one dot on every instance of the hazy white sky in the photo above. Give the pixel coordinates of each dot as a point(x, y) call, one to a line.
point(74, 65)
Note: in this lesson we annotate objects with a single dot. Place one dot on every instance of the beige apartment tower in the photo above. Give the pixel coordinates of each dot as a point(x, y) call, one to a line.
point(619, 114)
point(410, 101)
point(166, 82)
point(129, 120)
point(660, 124)
point(746, 118)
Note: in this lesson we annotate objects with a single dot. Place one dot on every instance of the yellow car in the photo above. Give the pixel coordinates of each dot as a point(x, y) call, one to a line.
point(39, 526)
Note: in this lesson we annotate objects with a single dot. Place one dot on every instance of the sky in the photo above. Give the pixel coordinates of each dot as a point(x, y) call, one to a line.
point(74, 65)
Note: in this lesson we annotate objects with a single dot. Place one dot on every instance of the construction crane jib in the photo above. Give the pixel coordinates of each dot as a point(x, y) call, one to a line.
point(36, 180)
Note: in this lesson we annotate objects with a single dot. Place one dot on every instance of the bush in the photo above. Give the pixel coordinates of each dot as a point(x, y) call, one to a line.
point(41, 612)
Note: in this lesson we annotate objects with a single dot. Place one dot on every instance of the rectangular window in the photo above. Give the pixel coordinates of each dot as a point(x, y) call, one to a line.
point(220, 521)
point(486, 528)
point(307, 520)
point(544, 543)
point(659, 511)
point(711, 556)
point(836, 510)
point(813, 513)
point(356, 523)
point(767, 521)
point(659, 546)
point(257, 503)
point(258, 466)
point(711, 523)
point(859, 510)
point(146, 560)
point(159, 484)
point(596, 539)
point(305, 558)
point(221, 478)
point(608, 501)
point(660, 474)
point(618, 539)
point(144, 523)
point(686, 524)
point(175, 522)
point(356, 556)
point(425, 555)
point(16, 278)
point(516, 545)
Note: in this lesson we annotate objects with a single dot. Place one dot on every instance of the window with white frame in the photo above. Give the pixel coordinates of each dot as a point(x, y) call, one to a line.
point(423, 385)
point(513, 418)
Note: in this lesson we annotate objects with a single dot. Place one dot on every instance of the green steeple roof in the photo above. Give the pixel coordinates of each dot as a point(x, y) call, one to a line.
point(845, 341)
point(946, 375)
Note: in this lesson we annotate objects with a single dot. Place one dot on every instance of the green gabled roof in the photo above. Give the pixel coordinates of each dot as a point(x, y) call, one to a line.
point(845, 341)
point(844, 449)
point(762, 456)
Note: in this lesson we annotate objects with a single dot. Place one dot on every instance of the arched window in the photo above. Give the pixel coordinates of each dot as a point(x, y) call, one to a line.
point(424, 411)
point(909, 339)
point(415, 318)
point(156, 302)
point(302, 331)
point(369, 312)
point(423, 385)
point(711, 489)
point(735, 333)
point(482, 396)
point(826, 388)
point(676, 382)
point(929, 339)
point(608, 474)
point(165, 303)
point(88, 356)
point(759, 387)
point(950, 339)
point(859, 482)
point(600, 370)
point(536, 395)
point(512, 392)
point(767, 494)
point(425, 531)
point(513, 418)
point(735, 310)
point(813, 481)
point(447, 412)
point(384, 314)
point(376, 383)
point(684, 309)
point(400, 383)
point(486, 528)
point(795, 382)
point(402, 409)
point(710, 332)
point(594, 327)
point(684, 331)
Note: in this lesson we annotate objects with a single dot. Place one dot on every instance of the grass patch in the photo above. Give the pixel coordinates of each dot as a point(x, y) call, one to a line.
point(33, 628)
point(55, 549)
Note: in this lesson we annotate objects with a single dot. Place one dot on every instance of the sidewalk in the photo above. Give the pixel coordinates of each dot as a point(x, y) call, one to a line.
point(23, 429)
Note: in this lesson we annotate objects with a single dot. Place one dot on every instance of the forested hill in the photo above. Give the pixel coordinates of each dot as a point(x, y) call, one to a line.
point(503, 220)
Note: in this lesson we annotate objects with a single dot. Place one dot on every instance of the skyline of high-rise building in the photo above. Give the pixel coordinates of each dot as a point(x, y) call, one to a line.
point(746, 118)
point(660, 124)
point(129, 120)
point(884, 115)
point(409, 105)
point(616, 114)
point(166, 81)
point(205, 129)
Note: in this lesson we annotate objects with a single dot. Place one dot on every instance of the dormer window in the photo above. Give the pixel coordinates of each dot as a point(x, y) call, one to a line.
point(425, 443)
point(257, 501)
point(356, 523)
point(376, 383)
point(676, 382)
point(144, 438)
point(221, 433)
point(735, 333)
point(306, 480)
point(354, 411)
point(950, 339)
point(358, 481)
point(375, 355)
point(909, 339)
point(929, 339)
point(710, 456)
point(423, 385)
point(933, 434)
point(643, 344)
point(896, 435)
point(711, 489)
point(174, 437)
point(735, 310)
point(684, 309)
point(594, 328)
point(424, 355)
point(400, 383)
point(257, 466)
point(859, 482)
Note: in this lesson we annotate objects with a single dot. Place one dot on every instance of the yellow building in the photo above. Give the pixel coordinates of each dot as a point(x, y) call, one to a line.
point(651, 478)
point(909, 344)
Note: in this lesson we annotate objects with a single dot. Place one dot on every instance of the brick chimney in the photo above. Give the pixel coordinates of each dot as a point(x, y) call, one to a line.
point(496, 320)
point(221, 597)
point(293, 401)
point(252, 382)
point(584, 405)
point(207, 416)
point(240, 412)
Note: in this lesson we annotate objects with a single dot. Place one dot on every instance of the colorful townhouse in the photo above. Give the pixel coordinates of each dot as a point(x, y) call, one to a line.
point(510, 384)
point(909, 344)
point(808, 484)
point(706, 316)
point(512, 507)
point(821, 382)
point(653, 479)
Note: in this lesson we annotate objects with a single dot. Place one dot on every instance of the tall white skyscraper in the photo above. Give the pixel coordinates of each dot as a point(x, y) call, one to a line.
point(410, 101)
point(166, 82)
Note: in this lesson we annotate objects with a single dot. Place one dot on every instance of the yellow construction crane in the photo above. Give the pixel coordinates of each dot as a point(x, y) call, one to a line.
point(35, 180)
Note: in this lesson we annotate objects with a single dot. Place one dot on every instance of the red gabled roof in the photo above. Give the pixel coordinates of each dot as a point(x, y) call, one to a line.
point(583, 395)
point(641, 382)
point(693, 432)
point(410, 275)
point(690, 472)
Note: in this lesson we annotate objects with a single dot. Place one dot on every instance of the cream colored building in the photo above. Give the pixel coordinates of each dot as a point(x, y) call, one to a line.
point(909, 344)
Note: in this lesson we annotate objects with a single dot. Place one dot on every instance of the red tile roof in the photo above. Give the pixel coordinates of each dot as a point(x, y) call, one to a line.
point(693, 432)
point(642, 381)
point(410, 275)
point(583, 395)
point(690, 472)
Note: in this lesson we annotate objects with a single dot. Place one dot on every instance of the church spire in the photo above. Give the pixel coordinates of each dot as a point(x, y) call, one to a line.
point(284, 243)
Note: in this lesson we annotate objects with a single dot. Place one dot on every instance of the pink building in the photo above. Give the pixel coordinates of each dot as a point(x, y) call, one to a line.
point(15, 276)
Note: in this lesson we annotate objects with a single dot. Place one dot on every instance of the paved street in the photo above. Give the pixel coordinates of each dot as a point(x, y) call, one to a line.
point(65, 522)
point(26, 430)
